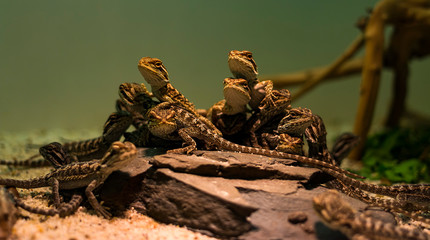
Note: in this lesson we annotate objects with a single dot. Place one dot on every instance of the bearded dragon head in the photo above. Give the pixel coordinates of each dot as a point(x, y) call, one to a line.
point(132, 93)
point(55, 154)
point(295, 121)
point(242, 65)
point(333, 209)
point(162, 122)
point(236, 93)
point(119, 155)
point(154, 72)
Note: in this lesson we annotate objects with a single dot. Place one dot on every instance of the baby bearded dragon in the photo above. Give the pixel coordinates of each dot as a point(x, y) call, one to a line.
point(289, 134)
point(136, 100)
point(86, 150)
point(417, 194)
point(343, 146)
point(168, 121)
point(236, 95)
point(406, 208)
point(130, 92)
point(84, 174)
point(229, 114)
point(116, 124)
point(270, 108)
point(295, 122)
point(242, 65)
point(316, 136)
point(56, 154)
point(154, 72)
point(338, 214)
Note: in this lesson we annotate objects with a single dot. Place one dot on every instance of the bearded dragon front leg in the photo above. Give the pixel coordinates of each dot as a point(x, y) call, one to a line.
point(290, 130)
point(93, 201)
point(187, 135)
point(216, 116)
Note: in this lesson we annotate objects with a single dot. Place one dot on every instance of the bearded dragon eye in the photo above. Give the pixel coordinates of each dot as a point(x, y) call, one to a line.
point(249, 55)
point(158, 64)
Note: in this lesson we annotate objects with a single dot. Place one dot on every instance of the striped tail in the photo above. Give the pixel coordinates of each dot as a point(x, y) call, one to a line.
point(64, 210)
point(29, 162)
point(83, 148)
point(412, 192)
point(227, 145)
point(32, 183)
point(115, 126)
point(37, 210)
point(69, 208)
point(392, 204)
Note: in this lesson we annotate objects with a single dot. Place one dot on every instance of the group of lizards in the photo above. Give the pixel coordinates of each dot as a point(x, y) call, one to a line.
point(252, 118)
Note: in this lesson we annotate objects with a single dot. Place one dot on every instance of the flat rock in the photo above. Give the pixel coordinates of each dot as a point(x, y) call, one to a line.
point(193, 201)
point(235, 165)
point(224, 194)
point(121, 187)
point(217, 187)
point(273, 219)
point(266, 185)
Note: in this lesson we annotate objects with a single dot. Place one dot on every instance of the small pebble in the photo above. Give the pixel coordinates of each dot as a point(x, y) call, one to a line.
point(297, 217)
point(308, 228)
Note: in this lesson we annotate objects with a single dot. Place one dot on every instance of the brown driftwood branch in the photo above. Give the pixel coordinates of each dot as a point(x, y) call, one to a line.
point(402, 14)
point(399, 57)
point(410, 39)
point(316, 79)
point(348, 68)
point(371, 75)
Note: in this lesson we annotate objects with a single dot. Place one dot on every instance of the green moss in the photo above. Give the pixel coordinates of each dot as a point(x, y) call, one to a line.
point(398, 155)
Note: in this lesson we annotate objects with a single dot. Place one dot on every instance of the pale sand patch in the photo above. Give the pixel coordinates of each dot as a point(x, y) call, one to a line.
point(81, 225)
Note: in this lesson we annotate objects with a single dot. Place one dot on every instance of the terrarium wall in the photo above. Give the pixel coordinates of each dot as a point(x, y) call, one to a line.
point(61, 61)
